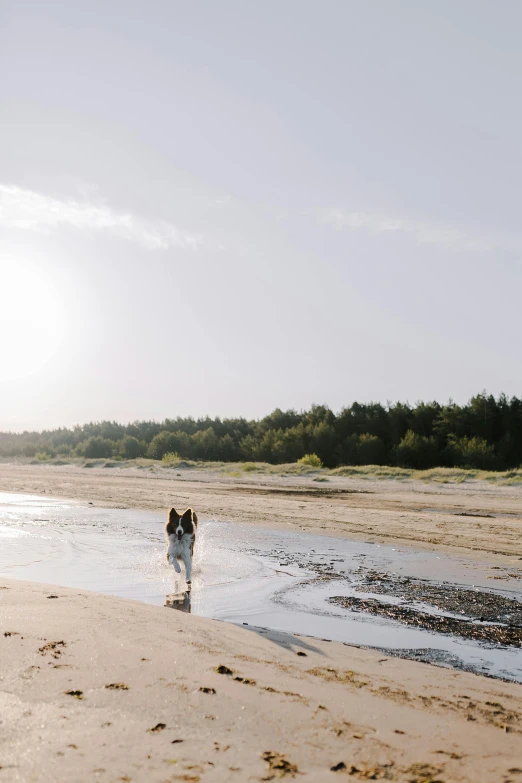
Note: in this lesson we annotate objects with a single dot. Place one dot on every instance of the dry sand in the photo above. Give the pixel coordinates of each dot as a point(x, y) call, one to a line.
point(383, 718)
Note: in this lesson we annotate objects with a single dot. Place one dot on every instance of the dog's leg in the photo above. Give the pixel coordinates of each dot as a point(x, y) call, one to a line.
point(188, 566)
point(171, 557)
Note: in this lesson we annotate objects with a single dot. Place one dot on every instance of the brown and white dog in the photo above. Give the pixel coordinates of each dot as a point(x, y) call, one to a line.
point(181, 536)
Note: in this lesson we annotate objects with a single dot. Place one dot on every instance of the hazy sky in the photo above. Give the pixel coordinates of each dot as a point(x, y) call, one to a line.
point(224, 207)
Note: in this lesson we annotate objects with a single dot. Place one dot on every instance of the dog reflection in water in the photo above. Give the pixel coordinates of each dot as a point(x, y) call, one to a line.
point(180, 601)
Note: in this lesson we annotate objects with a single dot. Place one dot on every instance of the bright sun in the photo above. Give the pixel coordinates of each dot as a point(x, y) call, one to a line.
point(31, 319)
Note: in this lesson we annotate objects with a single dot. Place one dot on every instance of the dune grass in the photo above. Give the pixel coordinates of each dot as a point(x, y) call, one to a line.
point(435, 475)
point(244, 469)
point(372, 471)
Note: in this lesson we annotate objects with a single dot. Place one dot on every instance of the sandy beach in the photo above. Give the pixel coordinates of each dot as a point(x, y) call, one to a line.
point(99, 688)
point(260, 261)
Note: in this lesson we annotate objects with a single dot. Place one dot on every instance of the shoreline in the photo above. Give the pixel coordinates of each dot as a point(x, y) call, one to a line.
point(477, 520)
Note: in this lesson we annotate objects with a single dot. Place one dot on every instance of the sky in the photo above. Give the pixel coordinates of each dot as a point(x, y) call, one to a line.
point(224, 208)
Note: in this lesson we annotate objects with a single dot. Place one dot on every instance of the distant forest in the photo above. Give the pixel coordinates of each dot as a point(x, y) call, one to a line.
point(486, 433)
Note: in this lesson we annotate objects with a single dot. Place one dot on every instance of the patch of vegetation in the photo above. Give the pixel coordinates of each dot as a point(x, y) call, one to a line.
point(449, 475)
point(171, 458)
point(512, 480)
point(373, 471)
point(291, 469)
point(42, 456)
point(312, 460)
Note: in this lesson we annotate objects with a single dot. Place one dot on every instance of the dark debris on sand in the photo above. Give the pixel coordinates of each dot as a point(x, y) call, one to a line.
point(485, 617)
point(446, 597)
point(278, 766)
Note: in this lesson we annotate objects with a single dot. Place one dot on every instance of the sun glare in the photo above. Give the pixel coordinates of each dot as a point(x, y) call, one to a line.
point(31, 319)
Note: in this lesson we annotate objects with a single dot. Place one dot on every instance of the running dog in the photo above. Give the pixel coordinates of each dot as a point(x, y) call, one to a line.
point(181, 536)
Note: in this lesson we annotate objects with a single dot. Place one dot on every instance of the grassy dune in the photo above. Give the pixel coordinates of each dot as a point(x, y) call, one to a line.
point(245, 469)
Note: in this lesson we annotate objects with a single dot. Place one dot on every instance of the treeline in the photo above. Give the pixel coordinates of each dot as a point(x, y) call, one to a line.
point(486, 433)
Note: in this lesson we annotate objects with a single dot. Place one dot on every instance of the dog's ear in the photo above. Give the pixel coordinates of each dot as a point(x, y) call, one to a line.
point(173, 514)
point(188, 513)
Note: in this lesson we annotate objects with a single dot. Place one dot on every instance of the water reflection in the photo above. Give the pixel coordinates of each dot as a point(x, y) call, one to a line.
point(180, 601)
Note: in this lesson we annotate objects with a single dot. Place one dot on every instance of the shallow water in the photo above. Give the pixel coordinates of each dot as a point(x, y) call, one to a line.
point(242, 574)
